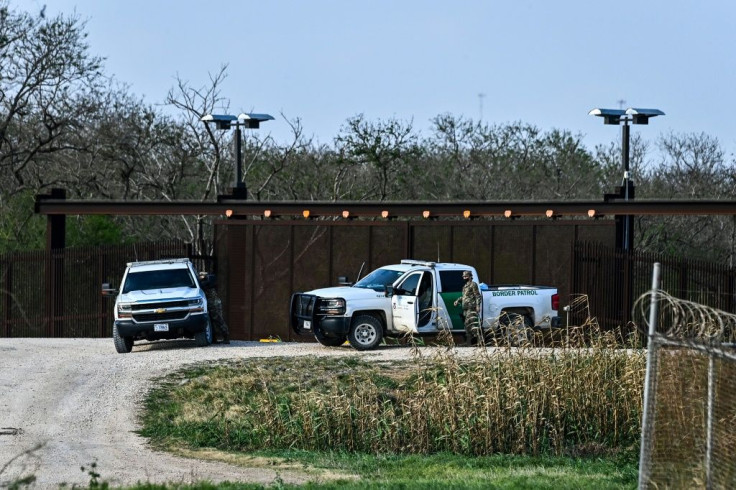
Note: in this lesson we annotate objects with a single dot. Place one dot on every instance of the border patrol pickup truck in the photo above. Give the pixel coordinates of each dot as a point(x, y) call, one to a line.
point(416, 297)
point(159, 299)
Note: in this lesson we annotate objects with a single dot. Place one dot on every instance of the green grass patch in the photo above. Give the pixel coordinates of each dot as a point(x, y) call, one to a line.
point(442, 471)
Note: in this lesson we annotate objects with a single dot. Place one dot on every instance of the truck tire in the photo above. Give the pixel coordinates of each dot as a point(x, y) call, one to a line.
point(366, 332)
point(328, 341)
point(122, 344)
point(516, 328)
point(204, 338)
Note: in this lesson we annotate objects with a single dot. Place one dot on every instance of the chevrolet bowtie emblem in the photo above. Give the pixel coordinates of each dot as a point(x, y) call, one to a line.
point(160, 310)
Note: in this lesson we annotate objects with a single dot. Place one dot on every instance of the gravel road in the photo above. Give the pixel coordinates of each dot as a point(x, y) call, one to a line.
point(66, 403)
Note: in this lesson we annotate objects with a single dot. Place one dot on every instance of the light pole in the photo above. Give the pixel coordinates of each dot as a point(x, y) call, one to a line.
point(224, 122)
point(626, 117)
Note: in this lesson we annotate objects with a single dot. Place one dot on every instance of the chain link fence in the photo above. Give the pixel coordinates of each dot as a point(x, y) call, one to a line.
point(688, 438)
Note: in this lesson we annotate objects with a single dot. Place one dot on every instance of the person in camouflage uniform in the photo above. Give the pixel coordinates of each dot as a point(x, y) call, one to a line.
point(214, 307)
point(471, 300)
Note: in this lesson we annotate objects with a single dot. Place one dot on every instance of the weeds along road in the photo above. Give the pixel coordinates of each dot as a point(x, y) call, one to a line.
point(68, 403)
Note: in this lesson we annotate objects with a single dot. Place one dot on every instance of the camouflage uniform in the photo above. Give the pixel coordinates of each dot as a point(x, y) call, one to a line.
point(214, 307)
point(471, 300)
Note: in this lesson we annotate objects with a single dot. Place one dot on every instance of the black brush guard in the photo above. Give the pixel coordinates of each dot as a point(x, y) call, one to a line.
point(302, 309)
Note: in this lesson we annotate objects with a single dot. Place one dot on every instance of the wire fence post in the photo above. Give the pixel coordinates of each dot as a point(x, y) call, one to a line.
point(709, 422)
point(649, 381)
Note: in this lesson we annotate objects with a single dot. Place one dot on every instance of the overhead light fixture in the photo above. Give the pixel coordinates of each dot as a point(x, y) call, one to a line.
point(632, 115)
point(267, 213)
point(549, 213)
point(591, 213)
point(384, 214)
point(466, 214)
point(346, 214)
point(610, 116)
point(228, 212)
point(224, 122)
point(507, 213)
point(221, 121)
point(425, 213)
point(252, 120)
point(641, 116)
point(305, 213)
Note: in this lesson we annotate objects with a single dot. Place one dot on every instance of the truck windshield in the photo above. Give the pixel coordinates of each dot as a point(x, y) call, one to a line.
point(378, 279)
point(164, 279)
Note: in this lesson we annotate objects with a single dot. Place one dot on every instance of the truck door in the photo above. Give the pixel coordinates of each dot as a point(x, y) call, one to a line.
point(451, 288)
point(412, 301)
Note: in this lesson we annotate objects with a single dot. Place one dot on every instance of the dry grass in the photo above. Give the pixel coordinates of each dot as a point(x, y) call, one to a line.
point(510, 400)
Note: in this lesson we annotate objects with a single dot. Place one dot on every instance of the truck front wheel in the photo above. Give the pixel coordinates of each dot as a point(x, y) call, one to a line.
point(122, 344)
point(204, 338)
point(328, 341)
point(365, 332)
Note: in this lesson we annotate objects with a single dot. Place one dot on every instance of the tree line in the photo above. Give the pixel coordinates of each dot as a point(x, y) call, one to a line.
point(65, 123)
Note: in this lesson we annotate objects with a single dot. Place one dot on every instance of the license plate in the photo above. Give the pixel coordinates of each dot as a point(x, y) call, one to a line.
point(307, 324)
point(160, 327)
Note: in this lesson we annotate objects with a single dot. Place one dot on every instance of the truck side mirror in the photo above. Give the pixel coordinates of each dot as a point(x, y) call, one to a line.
point(107, 290)
point(389, 291)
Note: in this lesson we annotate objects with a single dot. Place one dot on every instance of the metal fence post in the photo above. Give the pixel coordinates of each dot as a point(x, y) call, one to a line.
point(649, 381)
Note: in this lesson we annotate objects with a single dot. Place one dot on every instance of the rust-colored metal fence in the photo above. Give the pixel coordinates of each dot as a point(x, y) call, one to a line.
point(262, 263)
point(613, 279)
point(57, 294)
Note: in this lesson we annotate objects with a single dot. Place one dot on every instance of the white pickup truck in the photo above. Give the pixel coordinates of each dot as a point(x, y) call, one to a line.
point(159, 299)
point(415, 297)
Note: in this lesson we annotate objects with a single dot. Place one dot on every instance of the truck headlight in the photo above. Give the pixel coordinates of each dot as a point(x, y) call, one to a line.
point(332, 306)
point(196, 305)
point(124, 311)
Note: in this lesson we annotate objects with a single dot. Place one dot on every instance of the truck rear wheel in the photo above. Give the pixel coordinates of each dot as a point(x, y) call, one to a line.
point(122, 344)
point(517, 328)
point(365, 333)
point(204, 338)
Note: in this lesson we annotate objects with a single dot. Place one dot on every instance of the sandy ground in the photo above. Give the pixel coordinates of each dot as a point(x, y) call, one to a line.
point(66, 403)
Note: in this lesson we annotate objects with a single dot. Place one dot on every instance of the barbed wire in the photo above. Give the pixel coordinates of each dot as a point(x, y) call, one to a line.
point(679, 319)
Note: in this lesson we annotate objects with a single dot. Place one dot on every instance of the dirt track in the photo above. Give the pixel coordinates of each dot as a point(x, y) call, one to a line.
point(75, 402)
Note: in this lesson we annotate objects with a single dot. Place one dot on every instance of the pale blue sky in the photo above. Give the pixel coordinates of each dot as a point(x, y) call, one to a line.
point(323, 61)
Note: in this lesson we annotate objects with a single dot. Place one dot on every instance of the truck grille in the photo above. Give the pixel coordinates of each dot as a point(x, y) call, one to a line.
point(157, 317)
point(163, 304)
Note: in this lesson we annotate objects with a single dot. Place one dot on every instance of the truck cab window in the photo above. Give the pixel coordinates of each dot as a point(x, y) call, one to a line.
point(452, 281)
point(378, 279)
point(409, 285)
point(158, 279)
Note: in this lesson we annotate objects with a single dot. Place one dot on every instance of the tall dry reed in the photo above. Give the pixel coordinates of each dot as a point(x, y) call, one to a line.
point(501, 400)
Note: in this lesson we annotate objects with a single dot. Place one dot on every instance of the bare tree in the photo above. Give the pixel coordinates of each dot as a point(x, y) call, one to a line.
point(511, 161)
point(48, 85)
point(193, 104)
point(264, 161)
point(692, 166)
point(384, 155)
